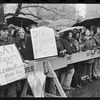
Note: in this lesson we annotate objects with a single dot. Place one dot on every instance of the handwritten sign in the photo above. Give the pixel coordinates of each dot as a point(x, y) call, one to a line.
point(11, 65)
point(43, 42)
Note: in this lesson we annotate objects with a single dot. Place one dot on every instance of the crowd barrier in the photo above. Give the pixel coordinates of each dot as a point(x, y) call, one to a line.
point(60, 62)
point(54, 63)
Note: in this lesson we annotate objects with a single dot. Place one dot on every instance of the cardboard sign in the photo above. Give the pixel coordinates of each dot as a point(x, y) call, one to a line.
point(43, 42)
point(11, 65)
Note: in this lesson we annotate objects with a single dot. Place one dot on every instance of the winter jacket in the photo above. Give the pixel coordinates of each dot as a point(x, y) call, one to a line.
point(89, 44)
point(97, 39)
point(21, 45)
point(67, 45)
point(29, 49)
point(60, 48)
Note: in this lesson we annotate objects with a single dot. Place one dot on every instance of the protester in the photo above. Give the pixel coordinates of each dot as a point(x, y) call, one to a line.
point(68, 72)
point(8, 90)
point(96, 68)
point(77, 66)
point(89, 44)
point(61, 53)
point(20, 38)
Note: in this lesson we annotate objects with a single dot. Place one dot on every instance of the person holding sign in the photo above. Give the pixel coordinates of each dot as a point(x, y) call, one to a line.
point(68, 72)
point(8, 90)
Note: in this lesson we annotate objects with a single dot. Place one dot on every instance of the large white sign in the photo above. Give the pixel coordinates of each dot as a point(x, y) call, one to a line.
point(11, 64)
point(43, 42)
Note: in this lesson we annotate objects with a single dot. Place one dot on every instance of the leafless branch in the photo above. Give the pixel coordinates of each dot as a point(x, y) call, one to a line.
point(42, 7)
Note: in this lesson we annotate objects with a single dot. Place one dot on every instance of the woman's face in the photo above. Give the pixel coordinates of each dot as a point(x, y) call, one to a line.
point(77, 35)
point(21, 33)
point(70, 35)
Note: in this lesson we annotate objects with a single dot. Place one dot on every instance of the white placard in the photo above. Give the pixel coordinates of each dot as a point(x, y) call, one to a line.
point(11, 64)
point(43, 42)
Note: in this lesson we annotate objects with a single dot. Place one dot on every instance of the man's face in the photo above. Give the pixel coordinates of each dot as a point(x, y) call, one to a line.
point(98, 30)
point(4, 33)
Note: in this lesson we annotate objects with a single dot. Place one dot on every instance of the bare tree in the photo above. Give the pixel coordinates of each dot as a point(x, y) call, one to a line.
point(50, 11)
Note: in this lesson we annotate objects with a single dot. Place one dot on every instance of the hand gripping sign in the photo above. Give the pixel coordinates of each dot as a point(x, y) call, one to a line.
point(43, 42)
point(11, 64)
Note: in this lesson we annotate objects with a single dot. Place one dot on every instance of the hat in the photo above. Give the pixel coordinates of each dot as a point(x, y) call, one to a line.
point(3, 26)
point(75, 31)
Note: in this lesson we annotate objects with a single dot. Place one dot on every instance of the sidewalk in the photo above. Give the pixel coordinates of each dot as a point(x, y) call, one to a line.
point(89, 90)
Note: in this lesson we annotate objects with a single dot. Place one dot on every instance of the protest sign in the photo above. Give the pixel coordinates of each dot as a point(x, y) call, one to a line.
point(43, 42)
point(11, 64)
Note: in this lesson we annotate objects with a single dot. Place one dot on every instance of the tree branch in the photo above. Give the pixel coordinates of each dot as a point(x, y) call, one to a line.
point(17, 12)
point(42, 7)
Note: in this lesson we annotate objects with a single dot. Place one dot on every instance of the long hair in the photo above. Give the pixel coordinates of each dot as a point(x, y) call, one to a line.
point(16, 34)
point(66, 33)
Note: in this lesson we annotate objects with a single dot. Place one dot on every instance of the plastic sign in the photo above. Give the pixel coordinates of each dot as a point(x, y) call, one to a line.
point(43, 42)
point(11, 64)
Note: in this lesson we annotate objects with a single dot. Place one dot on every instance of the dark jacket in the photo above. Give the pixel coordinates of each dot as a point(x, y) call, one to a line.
point(89, 44)
point(97, 39)
point(6, 41)
point(67, 45)
point(60, 48)
point(21, 45)
point(29, 49)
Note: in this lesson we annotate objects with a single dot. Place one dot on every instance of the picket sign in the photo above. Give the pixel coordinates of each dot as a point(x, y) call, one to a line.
point(43, 42)
point(11, 64)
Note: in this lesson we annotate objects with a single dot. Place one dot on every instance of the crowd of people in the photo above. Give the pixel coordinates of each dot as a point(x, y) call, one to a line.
point(77, 74)
point(71, 41)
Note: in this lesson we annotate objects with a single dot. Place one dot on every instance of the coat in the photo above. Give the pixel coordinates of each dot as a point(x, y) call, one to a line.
point(66, 44)
point(29, 49)
point(60, 48)
point(97, 39)
point(89, 44)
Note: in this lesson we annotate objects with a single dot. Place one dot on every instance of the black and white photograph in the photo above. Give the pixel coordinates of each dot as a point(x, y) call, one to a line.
point(49, 50)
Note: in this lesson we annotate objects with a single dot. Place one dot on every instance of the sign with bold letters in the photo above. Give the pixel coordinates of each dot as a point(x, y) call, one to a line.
point(43, 42)
point(11, 64)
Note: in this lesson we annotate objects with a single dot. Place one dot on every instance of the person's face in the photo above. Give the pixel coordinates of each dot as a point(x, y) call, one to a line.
point(21, 33)
point(4, 33)
point(77, 35)
point(70, 35)
point(87, 35)
point(98, 30)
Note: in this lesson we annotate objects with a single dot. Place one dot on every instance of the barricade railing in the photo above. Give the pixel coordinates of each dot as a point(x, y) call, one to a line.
point(55, 63)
